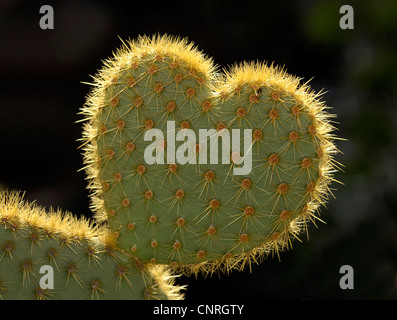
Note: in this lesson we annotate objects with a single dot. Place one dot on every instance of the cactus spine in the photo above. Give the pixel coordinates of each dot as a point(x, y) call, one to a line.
point(194, 216)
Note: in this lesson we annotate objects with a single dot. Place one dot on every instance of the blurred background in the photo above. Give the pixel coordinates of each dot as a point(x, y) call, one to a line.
point(42, 74)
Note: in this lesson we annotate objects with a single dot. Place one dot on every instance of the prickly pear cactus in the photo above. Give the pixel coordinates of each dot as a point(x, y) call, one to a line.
point(55, 256)
point(201, 170)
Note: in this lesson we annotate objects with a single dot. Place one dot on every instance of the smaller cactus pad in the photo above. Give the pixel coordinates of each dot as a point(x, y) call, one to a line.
point(55, 256)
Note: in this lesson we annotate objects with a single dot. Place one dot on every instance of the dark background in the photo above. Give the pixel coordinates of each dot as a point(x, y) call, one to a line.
point(42, 74)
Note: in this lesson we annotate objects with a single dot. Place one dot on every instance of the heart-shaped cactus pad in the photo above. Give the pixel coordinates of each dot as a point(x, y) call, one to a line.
point(200, 169)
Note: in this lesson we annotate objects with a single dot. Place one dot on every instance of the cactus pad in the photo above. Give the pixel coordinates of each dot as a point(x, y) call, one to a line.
point(165, 193)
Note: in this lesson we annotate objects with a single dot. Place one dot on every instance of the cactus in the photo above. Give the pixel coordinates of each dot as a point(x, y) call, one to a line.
point(163, 199)
point(190, 170)
point(83, 260)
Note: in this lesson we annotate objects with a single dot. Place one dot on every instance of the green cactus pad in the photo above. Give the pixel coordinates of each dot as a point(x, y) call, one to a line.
point(55, 256)
point(179, 209)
